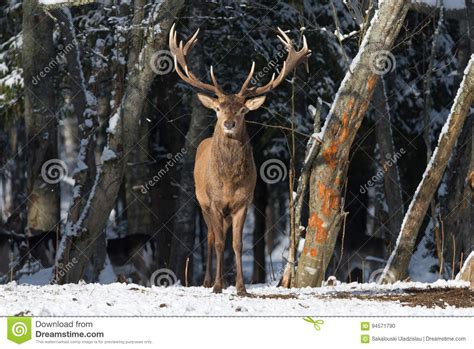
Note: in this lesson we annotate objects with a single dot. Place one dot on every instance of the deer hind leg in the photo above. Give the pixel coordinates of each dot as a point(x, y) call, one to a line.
point(210, 249)
point(238, 220)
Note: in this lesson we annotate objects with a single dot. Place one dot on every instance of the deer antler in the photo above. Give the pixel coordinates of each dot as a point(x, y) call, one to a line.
point(292, 60)
point(180, 52)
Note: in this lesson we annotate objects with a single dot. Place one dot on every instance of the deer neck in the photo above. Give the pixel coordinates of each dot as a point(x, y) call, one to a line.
point(231, 157)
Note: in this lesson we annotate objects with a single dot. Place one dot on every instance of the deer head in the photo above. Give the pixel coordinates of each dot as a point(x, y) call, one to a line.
point(231, 108)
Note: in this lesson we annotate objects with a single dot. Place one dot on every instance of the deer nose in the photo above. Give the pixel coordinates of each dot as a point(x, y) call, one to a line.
point(229, 124)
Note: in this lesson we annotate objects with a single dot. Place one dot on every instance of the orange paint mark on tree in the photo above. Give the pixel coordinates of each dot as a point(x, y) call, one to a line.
point(320, 189)
point(345, 123)
point(313, 221)
point(313, 252)
point(322, 236)
point(329, 153)
point(330, 199)
point(371, 82)
point(316, 223)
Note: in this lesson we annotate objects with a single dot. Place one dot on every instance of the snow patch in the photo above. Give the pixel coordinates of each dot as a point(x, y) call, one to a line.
point(113, 121)
point(107, 155)
point(118, 299)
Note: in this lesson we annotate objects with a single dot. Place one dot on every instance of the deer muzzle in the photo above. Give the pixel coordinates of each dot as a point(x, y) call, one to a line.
point(229, 126)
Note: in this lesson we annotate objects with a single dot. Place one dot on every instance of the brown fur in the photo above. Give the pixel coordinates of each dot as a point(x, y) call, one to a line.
point(225, 177)
point(225, 173)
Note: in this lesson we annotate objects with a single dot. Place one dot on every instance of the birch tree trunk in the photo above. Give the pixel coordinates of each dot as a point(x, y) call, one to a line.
point(77, 243)
point(458, 213)
point(397, 265)
point(329, 169)
point(40, 120)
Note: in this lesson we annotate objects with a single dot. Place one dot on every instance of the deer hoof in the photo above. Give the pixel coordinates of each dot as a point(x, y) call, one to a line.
point(207, 283)
point(242, 292)
point(217, 289)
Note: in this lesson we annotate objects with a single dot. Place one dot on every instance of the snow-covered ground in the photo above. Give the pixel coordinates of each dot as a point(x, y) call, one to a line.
point(127, 299)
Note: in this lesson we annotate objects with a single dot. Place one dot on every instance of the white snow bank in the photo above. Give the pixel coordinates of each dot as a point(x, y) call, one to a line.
point(122, 299)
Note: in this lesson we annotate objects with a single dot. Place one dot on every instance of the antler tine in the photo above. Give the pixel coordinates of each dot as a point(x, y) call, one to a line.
point(190, 44)
point(214, 80)
point(255, 91)
point(282, 33)
point(247, 81)
point(305, 44)
point(180, 52)
point(292, 60)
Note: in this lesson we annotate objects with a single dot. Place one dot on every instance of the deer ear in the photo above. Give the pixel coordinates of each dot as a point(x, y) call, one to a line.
point(254, 103)
point(207, 101)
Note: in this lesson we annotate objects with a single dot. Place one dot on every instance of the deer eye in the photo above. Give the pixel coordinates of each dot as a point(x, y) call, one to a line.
point(242, 110)
point(218, 109)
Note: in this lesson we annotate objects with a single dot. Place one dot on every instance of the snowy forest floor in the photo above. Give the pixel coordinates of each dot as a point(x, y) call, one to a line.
point(442, 298)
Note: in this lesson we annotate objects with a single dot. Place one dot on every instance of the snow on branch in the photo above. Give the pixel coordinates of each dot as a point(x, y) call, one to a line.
point(52, 4)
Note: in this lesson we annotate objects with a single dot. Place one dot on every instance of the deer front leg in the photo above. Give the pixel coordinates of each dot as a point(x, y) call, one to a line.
point(227, 222)
point(217, 228)
point(210, 247)
point(238, 220)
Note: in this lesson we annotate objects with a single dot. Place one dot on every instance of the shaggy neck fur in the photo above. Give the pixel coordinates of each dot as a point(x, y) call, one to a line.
point(232, 157)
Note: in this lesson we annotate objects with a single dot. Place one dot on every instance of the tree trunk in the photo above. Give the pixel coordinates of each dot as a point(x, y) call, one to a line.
point(182, 244)
point(458, 213)
point(296, 229)
point(77, 243)
point(40, 120)
point(391, 178)
point(467, 271)
point(259, 229)
point(139, 214)
point(184, 224)
point(85, 112)
point(329, 170)
point(397, 265)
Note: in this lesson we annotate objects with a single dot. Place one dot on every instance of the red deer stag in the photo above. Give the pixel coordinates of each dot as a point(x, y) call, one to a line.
point(224, 172)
